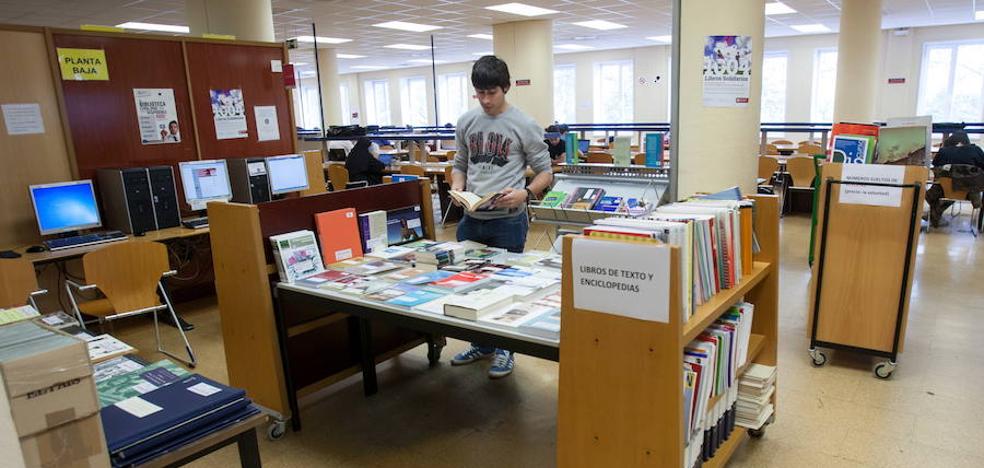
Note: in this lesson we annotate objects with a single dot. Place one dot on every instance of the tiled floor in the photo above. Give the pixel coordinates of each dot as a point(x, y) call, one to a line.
point(927, 415)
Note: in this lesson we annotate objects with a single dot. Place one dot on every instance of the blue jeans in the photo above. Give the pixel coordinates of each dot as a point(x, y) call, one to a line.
point(504, 233)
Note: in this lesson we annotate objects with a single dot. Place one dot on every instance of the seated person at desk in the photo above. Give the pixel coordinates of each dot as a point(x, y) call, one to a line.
point(956, 149)
point(363, 165)
point(556, 146)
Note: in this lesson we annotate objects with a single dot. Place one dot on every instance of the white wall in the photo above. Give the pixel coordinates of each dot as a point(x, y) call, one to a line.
point(901, 58)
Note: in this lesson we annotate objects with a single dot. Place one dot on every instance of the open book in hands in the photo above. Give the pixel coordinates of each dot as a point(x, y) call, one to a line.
point(473, 202)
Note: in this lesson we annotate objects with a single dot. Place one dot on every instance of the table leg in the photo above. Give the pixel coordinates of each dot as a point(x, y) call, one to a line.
point(369, 386)
point(249, 450)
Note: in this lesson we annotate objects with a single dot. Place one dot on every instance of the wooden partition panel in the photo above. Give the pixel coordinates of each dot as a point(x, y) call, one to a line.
point(102, 115)
point(236, 66)
point(42, 158)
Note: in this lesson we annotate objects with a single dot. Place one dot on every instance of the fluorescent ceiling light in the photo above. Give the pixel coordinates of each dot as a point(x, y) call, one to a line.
point(482, 54)
point(487, 37)
point(367, 67)
point(404, 26)
point(349, 56)
point(979, 15)
point(425, 61)
point(154, 27)
point(573, 47)
point(666, 39)
point(323, 40)
point(600, 25)
point(777, 8)
point(407, 47)
point(521, 9)
point(810, 28)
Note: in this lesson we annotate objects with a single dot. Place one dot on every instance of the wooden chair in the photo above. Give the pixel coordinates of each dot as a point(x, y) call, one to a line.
point(810, 149)
point(956, 196)
point(338, 176)
point(767, 168)
point(18, 283)
point(600, 158)
point(413, 169)
point(782, 142)
point(433, 159)
point(802, 171)
point(771, 150)
point(809, 142)
point(130, 275)
point(639, 159)
point(450, 155)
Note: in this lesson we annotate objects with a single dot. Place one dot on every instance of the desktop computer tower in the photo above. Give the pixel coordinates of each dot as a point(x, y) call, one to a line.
point(249, 179)
point(127, 200)
point(165, 194)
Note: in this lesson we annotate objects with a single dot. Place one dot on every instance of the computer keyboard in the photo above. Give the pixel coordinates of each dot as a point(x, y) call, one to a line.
point(85, 239)
point(195, 223)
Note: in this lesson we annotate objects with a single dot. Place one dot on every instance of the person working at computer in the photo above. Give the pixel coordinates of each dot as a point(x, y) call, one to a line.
point(495, 145)
point(557, 146)
point(362, 165)
point(956, 149)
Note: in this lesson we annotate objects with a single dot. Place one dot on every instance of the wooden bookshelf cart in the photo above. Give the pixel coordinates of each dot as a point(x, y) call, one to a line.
point(621, 384)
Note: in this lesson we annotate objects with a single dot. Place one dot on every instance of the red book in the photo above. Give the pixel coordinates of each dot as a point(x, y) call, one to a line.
point(460, 281)
point(338, 234)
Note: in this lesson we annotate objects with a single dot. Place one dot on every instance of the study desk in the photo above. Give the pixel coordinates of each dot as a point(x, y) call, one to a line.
point(300, 303)
point(162, 235)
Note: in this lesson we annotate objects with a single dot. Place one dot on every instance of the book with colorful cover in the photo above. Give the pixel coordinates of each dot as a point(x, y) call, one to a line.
point(585, 197)
point(654, 149)
point(372, 230)
point(319, 279)
point(338, 235)
point(296, 255)
point(151, 377)
point(852, 149)
point(620, 150)
point(484, 253)
point(404, 225)
point(608, 204)
point(428, 277)
point(554, 199)
point(415, 297)
point(459, 282)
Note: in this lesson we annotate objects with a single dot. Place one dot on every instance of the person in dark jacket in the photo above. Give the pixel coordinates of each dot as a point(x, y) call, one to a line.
point(956, 149)
point(362, 165)
point(557, 146)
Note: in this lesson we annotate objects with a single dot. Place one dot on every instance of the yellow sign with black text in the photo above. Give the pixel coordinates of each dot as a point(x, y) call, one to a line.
point(83, 64)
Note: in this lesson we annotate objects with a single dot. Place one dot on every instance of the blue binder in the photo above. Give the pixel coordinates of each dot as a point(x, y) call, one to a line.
point(184, 411)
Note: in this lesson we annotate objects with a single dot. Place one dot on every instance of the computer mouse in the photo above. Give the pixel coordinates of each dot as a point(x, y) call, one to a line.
point(35, 249)
point(9, 254)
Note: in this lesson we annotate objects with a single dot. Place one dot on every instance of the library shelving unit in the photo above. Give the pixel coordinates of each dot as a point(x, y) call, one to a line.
point(620, 399)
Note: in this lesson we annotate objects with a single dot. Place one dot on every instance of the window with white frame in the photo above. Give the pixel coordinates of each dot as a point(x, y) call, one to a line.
point(343, 102)
point(377, 103)
point(774, 66)
point(951, 85)
point(307, 105)
point(613, 92)
point(413, 100)
point(824, 85)
point(668, 81)
point(565, 103)
point(453, 94)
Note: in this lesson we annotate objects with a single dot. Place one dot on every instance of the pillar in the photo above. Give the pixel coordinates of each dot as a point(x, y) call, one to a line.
point(248, 20)
point(714, 147)
point(330, 96)
point(527, 47)
point(858, 59)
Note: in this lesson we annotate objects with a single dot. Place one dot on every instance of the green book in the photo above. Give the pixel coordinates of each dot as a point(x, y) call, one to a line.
point(150, 377)
point(553, 199)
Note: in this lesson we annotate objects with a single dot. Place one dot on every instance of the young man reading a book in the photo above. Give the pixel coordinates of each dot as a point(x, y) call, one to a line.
point(495, 145)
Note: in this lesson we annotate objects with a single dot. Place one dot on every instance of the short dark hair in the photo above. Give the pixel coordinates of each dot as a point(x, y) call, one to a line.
point(955, 139)
point(490, 71)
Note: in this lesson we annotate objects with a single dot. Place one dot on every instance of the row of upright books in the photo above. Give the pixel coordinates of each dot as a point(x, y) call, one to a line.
point(594, 199)
point(714, 236)
point(710, 367)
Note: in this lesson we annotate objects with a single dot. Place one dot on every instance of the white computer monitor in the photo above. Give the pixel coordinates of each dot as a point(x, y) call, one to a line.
point(65, 206)
point(287, 173)
point(205, 181)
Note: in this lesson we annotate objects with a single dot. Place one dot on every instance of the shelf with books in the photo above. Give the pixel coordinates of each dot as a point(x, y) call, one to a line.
point(622, 393)
point(581, 199)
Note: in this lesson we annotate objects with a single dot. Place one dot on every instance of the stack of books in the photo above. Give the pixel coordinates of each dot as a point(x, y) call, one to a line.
point(755, 390)
point(16, 314)
point(442, 254)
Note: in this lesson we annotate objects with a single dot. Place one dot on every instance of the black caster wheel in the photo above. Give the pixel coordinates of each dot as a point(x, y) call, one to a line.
point(757, 433)
point(818, 358)
point(276, 430)
point(884, 370)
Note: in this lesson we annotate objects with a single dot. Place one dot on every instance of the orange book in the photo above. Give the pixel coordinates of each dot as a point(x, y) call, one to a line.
point(746, 239)
point(338, 234)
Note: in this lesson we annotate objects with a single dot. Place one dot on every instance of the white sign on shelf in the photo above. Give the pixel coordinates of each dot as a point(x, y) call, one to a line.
point(872, 194)
point(619, 278)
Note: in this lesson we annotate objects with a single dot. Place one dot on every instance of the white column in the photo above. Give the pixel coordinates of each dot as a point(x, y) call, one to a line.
point(717, 147)
point(248, 20)
point(527, 48)
point(858, 64)
point(330, 96)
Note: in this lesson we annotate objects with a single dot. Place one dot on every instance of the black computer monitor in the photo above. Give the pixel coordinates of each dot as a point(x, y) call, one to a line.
point(205, 181)
point(288, 173)
point(65, 207)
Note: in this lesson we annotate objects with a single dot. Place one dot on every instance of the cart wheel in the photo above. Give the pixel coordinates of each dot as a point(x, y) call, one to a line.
point(819, 359)
point(757, 433)
point(276, 430)
point(434, 353)
point(884, 370)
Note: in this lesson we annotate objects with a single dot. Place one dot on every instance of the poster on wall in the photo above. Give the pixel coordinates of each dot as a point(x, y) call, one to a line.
point(267, 126)
point(157, 116)
point(229, 113)
point(727, 71)
point(83, 64)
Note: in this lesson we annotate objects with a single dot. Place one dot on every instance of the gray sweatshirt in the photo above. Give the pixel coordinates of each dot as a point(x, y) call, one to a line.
point(493, 152)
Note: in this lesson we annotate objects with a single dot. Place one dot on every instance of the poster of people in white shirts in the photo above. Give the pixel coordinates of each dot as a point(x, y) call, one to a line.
point(229, 113)
point(727, 71)
point(157, 115)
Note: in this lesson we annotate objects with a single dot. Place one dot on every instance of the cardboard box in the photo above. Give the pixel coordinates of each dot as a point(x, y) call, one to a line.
point(48, 382)
point(78, 444)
